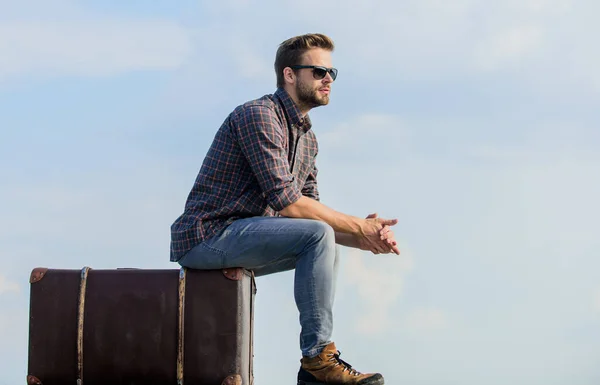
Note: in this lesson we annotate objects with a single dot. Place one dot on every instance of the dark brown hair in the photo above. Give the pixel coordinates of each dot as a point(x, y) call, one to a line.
point(290, 51)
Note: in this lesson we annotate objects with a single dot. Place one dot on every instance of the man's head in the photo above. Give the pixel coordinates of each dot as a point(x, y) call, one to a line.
point(303, 68)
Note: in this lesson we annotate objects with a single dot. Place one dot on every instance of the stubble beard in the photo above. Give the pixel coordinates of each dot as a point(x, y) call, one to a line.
point(310, 97)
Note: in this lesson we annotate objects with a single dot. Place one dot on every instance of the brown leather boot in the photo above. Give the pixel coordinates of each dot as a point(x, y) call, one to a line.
point(328, 368)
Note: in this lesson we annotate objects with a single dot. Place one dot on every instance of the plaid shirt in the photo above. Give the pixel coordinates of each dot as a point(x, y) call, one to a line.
point(262, 159)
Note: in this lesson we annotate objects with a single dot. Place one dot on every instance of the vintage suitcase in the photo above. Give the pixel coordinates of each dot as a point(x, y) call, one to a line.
point(138, 326)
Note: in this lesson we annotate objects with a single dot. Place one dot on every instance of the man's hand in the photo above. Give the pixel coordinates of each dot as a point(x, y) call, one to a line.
point(372, 233)
point(377, 236)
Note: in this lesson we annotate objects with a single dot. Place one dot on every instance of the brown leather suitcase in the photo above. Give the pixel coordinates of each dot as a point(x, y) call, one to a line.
point(138, 326)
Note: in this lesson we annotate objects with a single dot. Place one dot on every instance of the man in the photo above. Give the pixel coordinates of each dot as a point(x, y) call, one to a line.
point(255, 204)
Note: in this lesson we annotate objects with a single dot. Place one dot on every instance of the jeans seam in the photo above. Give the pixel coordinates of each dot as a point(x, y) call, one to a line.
point(220, 253)
point(287, 231)
point(312, 299)
point(214, 249)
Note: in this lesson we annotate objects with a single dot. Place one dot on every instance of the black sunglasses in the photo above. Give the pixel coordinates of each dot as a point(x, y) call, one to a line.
point(319, 72)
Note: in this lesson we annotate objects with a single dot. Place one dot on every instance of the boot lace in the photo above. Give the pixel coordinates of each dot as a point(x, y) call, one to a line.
point(335, 357)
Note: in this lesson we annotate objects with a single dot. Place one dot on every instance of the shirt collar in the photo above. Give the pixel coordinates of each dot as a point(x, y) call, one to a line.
point(292, 110)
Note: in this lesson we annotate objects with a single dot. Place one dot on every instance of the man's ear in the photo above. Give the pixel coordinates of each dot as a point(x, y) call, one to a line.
point(289, 76)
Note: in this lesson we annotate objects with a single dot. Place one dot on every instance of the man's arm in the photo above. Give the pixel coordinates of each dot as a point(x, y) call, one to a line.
point(311, 209)
point(261, 139)
point(369, 233)
point(310, 188)
point(349, 240)
point(260, 136)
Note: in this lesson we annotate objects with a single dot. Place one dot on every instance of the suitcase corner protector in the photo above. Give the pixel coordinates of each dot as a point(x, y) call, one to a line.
point(36, 275)
point(33, 380)
point(234, 273)
point(234, 379)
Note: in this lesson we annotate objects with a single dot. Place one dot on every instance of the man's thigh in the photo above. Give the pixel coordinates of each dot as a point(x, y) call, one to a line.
point(256, 243)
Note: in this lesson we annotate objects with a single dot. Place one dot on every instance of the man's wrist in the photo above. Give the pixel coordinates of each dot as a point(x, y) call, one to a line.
point(349, 224)
point(347, 239)
point(360, 227)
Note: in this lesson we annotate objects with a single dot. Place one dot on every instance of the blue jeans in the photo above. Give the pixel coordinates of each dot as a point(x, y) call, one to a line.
point(270, 245)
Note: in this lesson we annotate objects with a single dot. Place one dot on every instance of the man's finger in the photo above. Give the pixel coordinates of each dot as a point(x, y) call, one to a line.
point(385, 246)
point(385, 233)
point(389, 222)
point(392, 247)
point(390, 244)
point(381, 249)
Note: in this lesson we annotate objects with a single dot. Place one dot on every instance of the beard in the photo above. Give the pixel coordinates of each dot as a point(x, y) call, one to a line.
point(310, 97)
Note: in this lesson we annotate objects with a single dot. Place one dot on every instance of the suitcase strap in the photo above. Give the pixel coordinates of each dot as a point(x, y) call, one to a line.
point(80, 313)
point(180, 335)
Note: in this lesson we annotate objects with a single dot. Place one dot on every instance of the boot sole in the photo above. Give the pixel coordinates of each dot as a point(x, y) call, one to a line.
point(377, 381)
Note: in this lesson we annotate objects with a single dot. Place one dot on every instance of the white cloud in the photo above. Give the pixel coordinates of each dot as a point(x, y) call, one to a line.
point(90, 47)
point(425, 321)
point(100, 226)
point(359, 144)
point(515, 215)
point(249, 63)
point(533, 40)
point(507, 48)
point(596, 301)
point(7, 286)
point(378, 280)
point(369, 131)
point(37, 9)
point(556, 7)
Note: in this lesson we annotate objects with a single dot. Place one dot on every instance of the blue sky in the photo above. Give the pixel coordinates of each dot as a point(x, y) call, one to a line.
point(473, 122)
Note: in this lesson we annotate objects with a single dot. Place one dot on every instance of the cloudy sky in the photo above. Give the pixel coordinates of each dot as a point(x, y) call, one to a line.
point(474, 122)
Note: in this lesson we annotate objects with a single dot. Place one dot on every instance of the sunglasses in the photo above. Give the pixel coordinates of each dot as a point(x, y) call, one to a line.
point(319, 72)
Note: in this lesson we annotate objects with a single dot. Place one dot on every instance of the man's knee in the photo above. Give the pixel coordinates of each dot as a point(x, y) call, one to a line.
point(323, 231)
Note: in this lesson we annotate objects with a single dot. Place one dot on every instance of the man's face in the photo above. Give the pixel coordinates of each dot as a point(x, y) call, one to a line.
point(312, 92)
